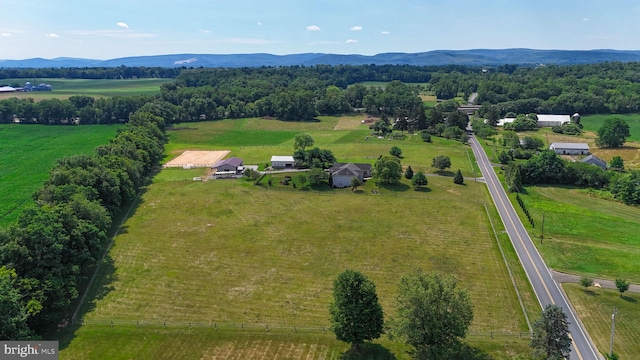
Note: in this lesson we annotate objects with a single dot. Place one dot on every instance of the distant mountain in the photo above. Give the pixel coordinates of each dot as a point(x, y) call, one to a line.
point(477, 57)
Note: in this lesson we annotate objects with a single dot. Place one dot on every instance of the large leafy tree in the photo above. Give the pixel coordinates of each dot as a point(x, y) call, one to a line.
point(419, 180)
point(551, 334)
point(301, 141)
point(441, 162)
point(388, 169)
point(613, 133)
point(433, 313)
point(14, 315)
point(356, 314)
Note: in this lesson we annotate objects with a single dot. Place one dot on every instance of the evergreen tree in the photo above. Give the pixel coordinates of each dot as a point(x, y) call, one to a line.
point(458, 179)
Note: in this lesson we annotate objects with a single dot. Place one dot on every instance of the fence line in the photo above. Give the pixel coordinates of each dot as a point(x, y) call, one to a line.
point(222, 326)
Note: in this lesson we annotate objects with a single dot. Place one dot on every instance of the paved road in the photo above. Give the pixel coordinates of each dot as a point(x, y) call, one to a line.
point(539, 275)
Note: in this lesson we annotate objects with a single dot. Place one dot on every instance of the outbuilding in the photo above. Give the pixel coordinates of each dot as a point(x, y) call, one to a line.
point(232, 164)
point(570, 148)
point(596, 161)
point(282, 162)
point(552, 120)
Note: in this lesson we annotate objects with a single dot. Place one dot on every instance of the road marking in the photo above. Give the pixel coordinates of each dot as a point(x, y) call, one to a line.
point(488, 169)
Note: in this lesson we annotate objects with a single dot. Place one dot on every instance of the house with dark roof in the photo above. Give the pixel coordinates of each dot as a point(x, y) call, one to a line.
point(594, 160)
point(232, 164)
point(570, 148)
point(342, 173)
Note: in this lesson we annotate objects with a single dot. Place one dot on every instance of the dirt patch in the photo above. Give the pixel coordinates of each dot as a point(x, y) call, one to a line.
point(353, 122)
point(191, 159)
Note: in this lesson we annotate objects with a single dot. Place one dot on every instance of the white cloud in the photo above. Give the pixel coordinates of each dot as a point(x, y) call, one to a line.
point(114, 33)
point(206, 31)
point(52, 36)
point(351, 41)
point(313, 28)
point(259, 23)
point(5, 34)
point(122, 25)
point(356, 28)
point(586, 19)
point(385, 33)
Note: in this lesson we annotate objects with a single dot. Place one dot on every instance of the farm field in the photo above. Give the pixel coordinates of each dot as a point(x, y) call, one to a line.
point(30, 151)
point(64, 88)
point(595, 307)
point(243, 245)
point(256, 140)
point(594, 122)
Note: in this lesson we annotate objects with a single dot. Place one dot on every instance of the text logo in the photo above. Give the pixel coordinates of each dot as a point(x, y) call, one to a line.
point(40, 350)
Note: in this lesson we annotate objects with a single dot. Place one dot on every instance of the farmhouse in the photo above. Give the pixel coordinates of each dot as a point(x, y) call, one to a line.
point(232, 164)
point(342, 173)
point(570, 148)
point(596, 161)
point(282, 162)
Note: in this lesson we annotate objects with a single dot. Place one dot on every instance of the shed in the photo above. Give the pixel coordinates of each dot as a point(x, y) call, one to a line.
point(232, 164)
point(570, 148)
point(594, 160)
point(282, 162)
point(552, 120)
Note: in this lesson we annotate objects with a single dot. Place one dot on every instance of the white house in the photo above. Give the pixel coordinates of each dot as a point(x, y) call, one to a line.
point(282, 162)
point(342, 173)
point(552, 120)
point(570, 148)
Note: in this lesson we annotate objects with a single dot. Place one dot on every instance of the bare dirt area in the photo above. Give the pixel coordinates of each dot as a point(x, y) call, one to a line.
point(354, 122)
point(192, 158)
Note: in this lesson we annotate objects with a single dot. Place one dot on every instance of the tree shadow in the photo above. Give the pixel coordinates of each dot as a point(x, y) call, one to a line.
point(422, 190)
point(368, 351)
point(468, 352)
point(629, 299)
point(445, 173)
point(394, 187)
point(591, 293)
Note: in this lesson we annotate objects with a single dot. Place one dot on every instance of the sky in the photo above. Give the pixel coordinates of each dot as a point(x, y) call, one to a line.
point(108, 29)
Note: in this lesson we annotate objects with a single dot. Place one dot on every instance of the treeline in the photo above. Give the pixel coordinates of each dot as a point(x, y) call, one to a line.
point(120, 72)
point(54, 245)
point(547, 167)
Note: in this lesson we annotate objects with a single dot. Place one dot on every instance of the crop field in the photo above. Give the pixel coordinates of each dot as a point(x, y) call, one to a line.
point(29, 152)
point(64, 88)
point(256, 140)
point(595, 306)
point(193, 248)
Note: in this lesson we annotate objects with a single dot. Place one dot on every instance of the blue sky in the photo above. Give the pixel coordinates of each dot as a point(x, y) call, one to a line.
point(106, 29)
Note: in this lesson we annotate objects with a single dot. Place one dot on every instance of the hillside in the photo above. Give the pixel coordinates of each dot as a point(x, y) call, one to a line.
point(476, 57)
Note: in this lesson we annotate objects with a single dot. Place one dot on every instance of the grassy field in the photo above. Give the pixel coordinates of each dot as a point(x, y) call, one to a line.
point(64, 88)
point(595, 306)
point(594, 122)
point(234, 243)
point(29, 152)
point(584, 234)
point(256, 140)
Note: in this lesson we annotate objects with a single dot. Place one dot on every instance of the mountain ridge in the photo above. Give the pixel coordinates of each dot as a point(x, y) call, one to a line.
point(471, 57)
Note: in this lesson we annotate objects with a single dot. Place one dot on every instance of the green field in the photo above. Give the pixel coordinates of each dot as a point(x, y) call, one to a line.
point(594, 122)
point(29, 152)
point(595, 306)
point(256, 140)
point(64, 88)
point(229, 252)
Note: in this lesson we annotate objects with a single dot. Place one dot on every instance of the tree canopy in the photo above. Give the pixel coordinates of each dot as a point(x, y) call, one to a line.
point(419, 180)
point(433, 314)
point(356, 314)
point(388, 169)
point(551, 334)
point(441, 162)
point(613, 133)
point(301, 141)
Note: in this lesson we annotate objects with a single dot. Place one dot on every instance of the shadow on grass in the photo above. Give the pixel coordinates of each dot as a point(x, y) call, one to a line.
point(368, 351)
point(591, 293)
point(445, 173)
point(629, 299)
point(467, 352)
point(394, 187)
point(423, 190)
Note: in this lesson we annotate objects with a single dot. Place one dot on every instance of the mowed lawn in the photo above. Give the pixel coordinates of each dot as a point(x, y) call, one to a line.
point(64, 88)
point(256, 140)
point(585, 234)
point(30, 151)
point(595, 306)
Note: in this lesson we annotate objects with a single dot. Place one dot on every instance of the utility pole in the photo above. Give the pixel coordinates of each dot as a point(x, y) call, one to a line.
point(613, 329)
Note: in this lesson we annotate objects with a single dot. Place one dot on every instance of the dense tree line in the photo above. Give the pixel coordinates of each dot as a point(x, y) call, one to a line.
point(54, 245)
point(120, 72)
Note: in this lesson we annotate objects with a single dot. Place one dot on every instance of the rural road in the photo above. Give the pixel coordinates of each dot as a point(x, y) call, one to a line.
point(546, 289)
